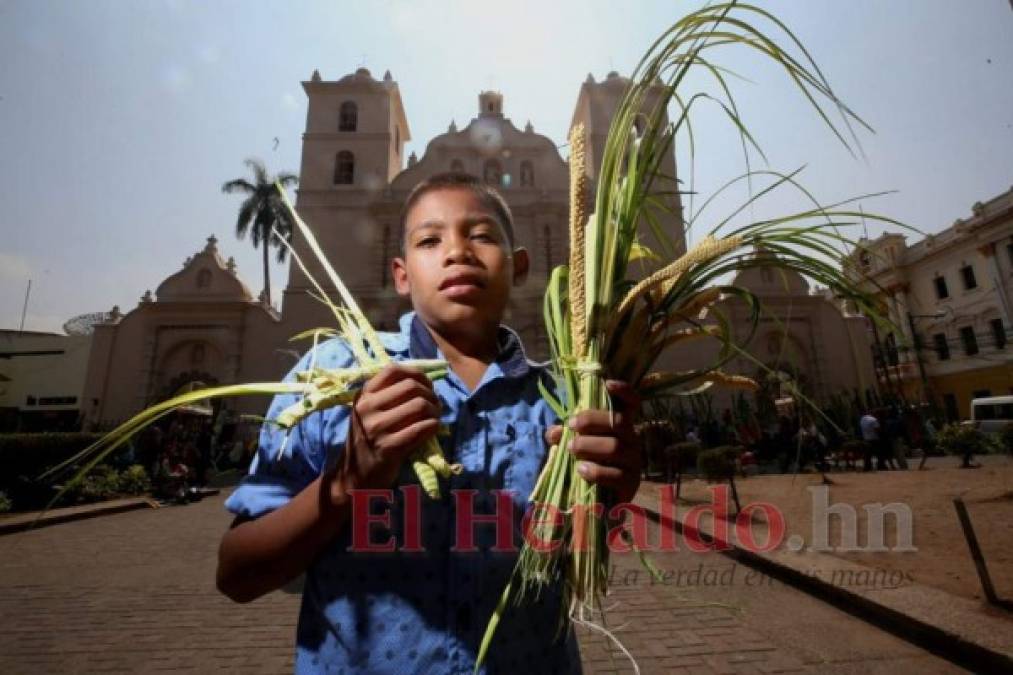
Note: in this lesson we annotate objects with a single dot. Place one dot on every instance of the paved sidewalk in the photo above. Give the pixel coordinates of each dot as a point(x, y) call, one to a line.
point(18, 522)
point(970, 630)
point(134, 592)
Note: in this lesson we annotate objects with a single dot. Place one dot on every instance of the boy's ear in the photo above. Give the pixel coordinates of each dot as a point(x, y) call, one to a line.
point(399, 273)
point(521, 265)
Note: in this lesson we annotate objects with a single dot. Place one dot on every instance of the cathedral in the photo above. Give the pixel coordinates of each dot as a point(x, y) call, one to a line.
point(203, 325)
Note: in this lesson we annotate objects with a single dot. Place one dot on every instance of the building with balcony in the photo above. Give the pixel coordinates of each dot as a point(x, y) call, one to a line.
point(947, 299)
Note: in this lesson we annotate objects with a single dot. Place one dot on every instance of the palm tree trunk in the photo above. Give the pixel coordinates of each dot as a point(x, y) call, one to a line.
point(267, 275)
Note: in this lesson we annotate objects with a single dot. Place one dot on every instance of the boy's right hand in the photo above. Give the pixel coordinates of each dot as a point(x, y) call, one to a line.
point(396, 411)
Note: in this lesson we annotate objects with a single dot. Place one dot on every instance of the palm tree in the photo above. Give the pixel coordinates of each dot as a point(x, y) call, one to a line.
point(262, 211)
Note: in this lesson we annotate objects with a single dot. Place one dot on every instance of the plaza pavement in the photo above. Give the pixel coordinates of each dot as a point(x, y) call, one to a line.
point(134, 592)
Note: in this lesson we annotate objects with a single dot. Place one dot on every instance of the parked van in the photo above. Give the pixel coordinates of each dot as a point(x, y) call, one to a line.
point(992, 414)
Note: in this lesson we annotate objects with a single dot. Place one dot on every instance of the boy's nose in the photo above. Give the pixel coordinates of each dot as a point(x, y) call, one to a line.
point(458, 250)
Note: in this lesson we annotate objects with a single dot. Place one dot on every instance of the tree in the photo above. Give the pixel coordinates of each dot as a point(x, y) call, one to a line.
point(262, 211)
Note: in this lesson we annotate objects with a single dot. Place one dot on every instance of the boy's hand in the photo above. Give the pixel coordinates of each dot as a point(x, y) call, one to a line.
point(395, 412)
point(606, 445)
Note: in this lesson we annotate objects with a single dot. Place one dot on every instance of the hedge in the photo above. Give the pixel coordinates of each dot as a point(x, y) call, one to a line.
point(23, 457)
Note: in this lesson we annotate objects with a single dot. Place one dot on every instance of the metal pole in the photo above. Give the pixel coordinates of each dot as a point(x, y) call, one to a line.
point(24, 310)
point(972, 543)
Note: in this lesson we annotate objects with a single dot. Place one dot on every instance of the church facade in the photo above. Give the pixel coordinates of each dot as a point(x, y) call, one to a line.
point(204, 325)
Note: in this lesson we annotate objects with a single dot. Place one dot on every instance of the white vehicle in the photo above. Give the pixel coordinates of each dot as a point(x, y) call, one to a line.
point(992, 414)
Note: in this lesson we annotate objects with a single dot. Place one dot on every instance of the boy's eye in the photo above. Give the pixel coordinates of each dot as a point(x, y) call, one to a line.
point(483, 236)
point(426, 242)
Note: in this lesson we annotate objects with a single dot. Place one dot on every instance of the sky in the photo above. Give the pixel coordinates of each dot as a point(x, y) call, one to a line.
point(120, 120)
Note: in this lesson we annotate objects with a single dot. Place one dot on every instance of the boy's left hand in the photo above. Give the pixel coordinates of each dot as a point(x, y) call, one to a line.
point(606, 445)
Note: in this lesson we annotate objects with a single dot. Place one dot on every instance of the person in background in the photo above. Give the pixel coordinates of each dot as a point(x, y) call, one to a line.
point(871, 435)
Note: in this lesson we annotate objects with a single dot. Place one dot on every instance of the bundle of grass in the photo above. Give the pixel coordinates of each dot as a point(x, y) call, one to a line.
point(608, 321)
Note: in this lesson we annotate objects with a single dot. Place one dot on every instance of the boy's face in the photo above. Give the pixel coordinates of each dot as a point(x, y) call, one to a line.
point(457, 266)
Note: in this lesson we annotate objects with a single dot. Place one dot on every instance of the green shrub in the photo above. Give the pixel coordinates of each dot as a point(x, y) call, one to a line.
point(718, 463)
point(134, 480)
point(31, 454)
point(5, 503)
point(24, 457)
point(102, 482)
point(965, 441)
point(1006, 438)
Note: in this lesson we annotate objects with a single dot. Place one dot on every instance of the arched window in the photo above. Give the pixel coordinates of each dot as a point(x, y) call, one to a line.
point(344, 168)
point(492, 174)
point(457, 166)
point(397, 139)
point(349, 118)
point(527, 174)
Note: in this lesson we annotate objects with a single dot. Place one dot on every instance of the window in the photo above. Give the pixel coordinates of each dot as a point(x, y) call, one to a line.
point(348, 120)
point(942, 347)
point(967, 272)
point(969, 340)
point(864, 258)
point(397, 139)
point(998, 333)
point(942, 292)
point(527, 174)
point(344, 168)
point(492, 174)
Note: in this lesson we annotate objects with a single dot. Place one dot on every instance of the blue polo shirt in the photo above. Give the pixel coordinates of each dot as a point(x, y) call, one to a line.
point(411, 611)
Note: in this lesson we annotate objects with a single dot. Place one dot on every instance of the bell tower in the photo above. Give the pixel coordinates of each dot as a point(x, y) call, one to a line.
point(362, 120)
point(596, 106)
point(352, 149)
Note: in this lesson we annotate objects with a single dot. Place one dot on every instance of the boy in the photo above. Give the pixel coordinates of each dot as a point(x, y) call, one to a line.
point(422, 604)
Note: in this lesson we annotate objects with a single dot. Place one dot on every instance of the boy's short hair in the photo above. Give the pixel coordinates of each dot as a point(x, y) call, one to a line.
point(489, 195)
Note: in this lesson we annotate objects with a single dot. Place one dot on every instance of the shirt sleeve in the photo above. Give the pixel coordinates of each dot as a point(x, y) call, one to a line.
point(287, 460)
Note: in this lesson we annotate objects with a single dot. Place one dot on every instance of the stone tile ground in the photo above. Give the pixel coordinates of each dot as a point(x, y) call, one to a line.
point(134, 592)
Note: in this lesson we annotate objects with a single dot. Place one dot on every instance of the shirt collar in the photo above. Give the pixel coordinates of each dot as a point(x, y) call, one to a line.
point(512, 360)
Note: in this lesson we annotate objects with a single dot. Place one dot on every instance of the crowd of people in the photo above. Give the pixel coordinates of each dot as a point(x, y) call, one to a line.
point(879, 439)
point(180, 453)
